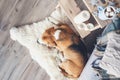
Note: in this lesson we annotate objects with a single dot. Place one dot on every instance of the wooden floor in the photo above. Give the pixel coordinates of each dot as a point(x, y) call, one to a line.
point(15, 61)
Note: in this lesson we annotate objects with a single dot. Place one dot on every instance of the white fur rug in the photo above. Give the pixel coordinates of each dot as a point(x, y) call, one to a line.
point(27, 35)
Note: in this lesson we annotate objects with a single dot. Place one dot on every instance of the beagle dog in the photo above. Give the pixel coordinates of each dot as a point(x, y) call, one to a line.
point(74, 52)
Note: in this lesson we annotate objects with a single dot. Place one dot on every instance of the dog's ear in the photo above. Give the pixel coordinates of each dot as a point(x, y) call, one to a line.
point(67, 29)
point(76, 39)
point(48, 38)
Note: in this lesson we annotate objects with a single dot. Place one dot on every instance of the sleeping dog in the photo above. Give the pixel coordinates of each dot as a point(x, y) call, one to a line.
point(74, 52)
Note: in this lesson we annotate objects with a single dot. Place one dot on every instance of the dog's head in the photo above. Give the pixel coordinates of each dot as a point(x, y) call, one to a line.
point(60, 37)
point(48, 37)
point(65, 37)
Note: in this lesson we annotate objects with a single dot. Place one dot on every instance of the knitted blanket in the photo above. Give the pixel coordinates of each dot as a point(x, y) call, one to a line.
point(111, 59)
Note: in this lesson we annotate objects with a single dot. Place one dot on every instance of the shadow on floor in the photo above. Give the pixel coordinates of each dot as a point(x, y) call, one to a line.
point(90, 40)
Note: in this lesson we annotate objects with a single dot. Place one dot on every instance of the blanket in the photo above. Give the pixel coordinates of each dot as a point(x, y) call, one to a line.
point(111, 59)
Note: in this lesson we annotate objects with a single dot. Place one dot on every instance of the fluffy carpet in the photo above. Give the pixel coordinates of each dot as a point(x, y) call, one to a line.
point(28, 35)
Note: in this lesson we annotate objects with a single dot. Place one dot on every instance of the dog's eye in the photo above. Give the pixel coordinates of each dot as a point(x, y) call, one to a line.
point(44, 37)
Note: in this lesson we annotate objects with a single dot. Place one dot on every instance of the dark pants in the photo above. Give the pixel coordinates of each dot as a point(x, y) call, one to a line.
point(115, 25)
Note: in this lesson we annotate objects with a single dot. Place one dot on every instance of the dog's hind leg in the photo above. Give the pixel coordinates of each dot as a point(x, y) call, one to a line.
point(70, 69)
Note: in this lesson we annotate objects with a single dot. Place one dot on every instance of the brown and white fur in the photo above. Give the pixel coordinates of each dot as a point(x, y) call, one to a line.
point(74, 52)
